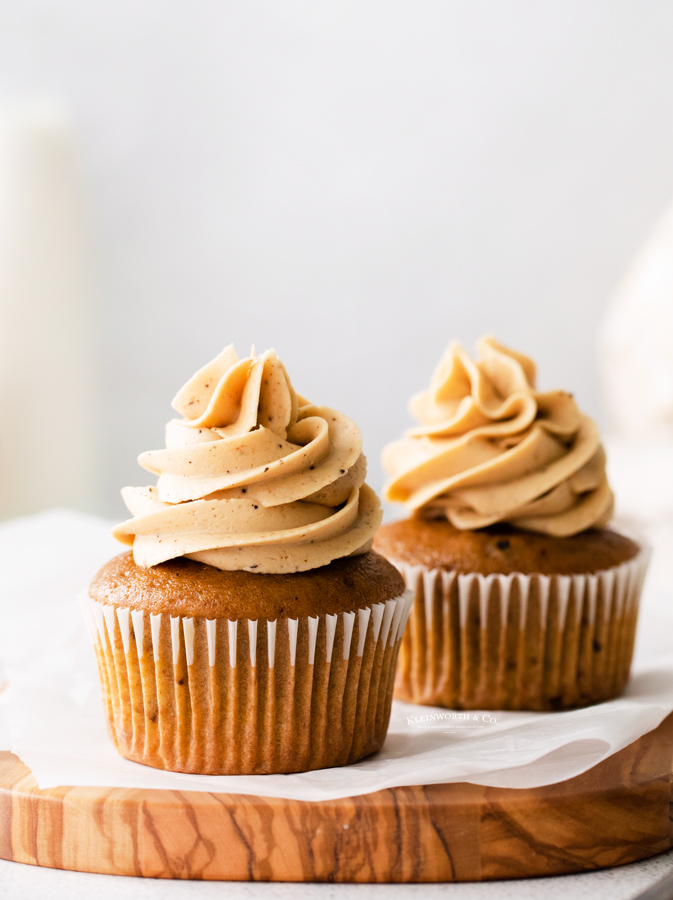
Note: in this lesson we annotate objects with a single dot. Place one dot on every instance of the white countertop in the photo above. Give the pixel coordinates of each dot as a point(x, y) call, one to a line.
point(19, 882)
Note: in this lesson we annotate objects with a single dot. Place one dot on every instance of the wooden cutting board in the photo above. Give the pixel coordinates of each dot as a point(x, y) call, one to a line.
point(616, 813)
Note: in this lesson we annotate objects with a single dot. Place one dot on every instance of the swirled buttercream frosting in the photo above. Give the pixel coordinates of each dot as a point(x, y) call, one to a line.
point(490, 448)
point(253, 476)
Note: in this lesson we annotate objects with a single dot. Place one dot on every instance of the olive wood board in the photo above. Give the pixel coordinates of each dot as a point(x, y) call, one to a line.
point(617, 812)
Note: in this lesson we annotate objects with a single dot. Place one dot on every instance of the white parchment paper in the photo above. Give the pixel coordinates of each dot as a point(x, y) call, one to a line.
point(54, 718)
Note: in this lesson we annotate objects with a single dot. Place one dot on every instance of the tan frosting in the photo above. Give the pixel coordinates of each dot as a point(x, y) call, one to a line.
point(253, 477)
point(491, 449)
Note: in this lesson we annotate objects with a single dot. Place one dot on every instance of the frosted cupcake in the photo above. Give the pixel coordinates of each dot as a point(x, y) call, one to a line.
point(524, 599)
point(251, 629)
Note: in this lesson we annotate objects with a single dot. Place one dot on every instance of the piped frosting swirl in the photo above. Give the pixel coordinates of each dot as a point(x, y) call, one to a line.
point(253, 476)
point(491, 449)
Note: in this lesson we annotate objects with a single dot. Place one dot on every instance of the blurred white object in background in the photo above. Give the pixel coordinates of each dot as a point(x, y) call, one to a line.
point(636, 341)
point(641, 476)
point(46, 402)
point(636, 361)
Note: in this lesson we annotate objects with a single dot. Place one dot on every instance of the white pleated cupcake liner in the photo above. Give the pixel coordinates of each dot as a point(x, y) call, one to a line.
point(518, 641)
point(220, 696)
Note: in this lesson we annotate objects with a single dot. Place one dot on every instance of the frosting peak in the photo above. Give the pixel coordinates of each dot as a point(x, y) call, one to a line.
point(253, 477)
point(491, 449)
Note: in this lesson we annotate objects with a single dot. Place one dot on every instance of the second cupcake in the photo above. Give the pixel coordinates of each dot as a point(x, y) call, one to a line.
point(524, 599)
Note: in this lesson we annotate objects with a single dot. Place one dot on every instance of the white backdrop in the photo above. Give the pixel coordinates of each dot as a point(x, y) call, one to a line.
point(352, 182)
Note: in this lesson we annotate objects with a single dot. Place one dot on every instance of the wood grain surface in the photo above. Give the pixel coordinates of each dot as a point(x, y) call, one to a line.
point(616, 813)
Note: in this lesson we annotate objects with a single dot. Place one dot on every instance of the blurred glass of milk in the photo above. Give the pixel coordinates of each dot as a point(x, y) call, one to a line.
point(46, 403)
point(636, 361)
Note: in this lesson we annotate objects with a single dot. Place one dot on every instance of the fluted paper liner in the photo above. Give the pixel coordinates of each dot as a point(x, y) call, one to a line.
point(221, 697)
point(538, 642)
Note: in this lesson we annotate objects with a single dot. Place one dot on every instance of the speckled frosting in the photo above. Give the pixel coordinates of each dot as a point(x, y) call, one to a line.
point(253, 477)
point(490, 448)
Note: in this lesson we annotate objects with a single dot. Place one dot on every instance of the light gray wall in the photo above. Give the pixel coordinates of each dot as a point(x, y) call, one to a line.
point(353, 183)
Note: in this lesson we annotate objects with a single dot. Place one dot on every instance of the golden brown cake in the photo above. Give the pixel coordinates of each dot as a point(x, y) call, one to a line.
point(501, 549)
point(523, 598)
point(251, 629)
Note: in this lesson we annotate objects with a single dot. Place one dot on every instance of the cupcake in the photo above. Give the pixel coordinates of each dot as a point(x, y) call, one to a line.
point(250, 629)
point(524, 598)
